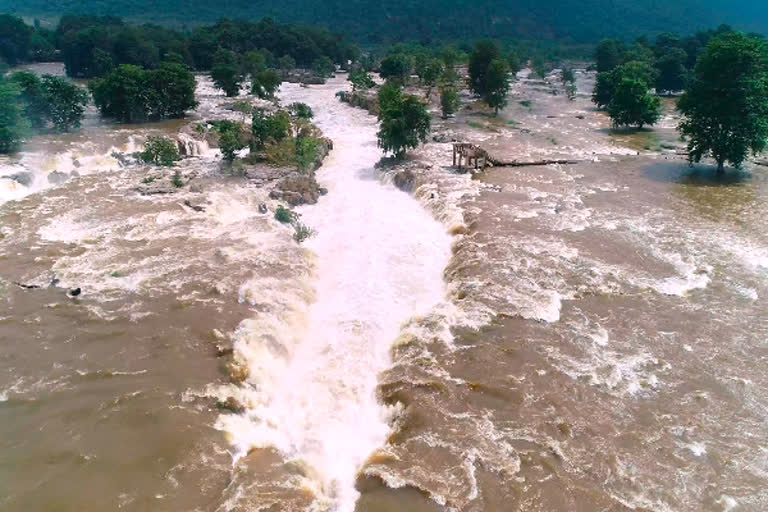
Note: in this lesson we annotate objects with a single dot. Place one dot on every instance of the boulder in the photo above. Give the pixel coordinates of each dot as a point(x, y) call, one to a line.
point(404, 180)
point(24, 178)
point(57, 178)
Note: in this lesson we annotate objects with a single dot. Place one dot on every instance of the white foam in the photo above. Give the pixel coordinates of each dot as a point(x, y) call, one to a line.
point(379, 258)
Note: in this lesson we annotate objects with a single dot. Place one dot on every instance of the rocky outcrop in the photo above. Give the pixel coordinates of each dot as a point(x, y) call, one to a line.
point(366, 100)
point(297, 189)
point(302, 76)
point(23, 178)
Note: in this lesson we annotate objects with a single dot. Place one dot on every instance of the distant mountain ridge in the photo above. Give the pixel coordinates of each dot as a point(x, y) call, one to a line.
point(374, 21)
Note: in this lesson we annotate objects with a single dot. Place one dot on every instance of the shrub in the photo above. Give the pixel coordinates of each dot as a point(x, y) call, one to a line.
point(301, 110)
point(281, 153)
point(449, 101)
point(160, 151)
point(230, 139)
point(285, 215)
point(306, 152)
point(302, 232)
point(176, 180)
point(273, 127)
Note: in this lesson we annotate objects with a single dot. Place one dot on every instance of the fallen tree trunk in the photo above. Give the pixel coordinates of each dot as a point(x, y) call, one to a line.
point(518, 163)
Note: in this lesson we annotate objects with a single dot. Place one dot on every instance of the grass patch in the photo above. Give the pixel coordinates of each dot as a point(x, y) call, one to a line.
point(475, 124)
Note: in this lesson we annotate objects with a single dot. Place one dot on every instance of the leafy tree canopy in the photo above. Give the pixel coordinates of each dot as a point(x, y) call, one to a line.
point(404, 122)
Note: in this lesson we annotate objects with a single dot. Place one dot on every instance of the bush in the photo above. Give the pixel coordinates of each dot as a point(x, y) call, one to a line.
point(449, 101)
point(273, 127)
point(302, 232)
point(176, 180)
point(301, 110)
point(306, 153)
point(160, 151)
point(285, 215)
point(360, 80)
point(281, 153)
point(230, 139)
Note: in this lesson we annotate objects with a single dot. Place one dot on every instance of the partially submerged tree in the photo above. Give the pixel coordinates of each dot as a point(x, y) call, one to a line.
point(360, 80)
point(396, 68)
point(403, 121)
point(13, 125)
point(634, 105)
point(160, 151)
point(726, 106)
point(497, 85)
point(484, 53)
point(226, 72)
point(265, 84)
point(608, 82)
point(449, 101)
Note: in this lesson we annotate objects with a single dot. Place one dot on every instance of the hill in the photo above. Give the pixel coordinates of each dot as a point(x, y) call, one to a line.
point(375, 21)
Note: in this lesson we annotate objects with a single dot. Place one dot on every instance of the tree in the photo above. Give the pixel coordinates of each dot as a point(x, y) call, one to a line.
point(324, 66)
point(608, 55)
point(671, 70)
point(539, 66)
point(608, 82)
point(254, 62)
point(265, 84)
point(286, 62)
point(123, 94)
point(51, 100)
point(484, 53)
point(449, 101)
point(634, 105)
point(226, 72)
point(13, 126)
point(301, 111)
point(497, 85)
point(725, 110)
point(66, 102)
point(360, 80)
point(430, 73)
point(403, 121)
point(514, 62)
point(306, 152)
point(396, 67)
point(130, 94)
point(160, 151)
point(173, 86)
point(265, 128)
point(15, 39)
point(569, 82)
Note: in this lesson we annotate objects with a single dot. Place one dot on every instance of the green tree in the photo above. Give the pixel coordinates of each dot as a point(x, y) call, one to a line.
point(253, 63)
point(173, 87)
point(360, 80)
point(396, 68)
point(484, 53)
point(265, 84)
point(226, 72)
point(634, 105)
point(306, 152)
point(725, 110)
point(160, 151)
point(51, 100)
point(269, 128)
point(430, 73)
point(323, 66)
point(449, 101)
point(15, 39)
point(497, 85)
point(13, 125)
point(403, 121)
point(123, 94)
point(671, 70)
point(301, 111)
point(286, 62)
point(608, 82)
point(66, 102)
point(514, 62)
point(609, 54)
point(230, 139)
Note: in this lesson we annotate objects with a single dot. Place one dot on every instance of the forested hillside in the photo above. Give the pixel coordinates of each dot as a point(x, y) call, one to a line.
point(373, 21)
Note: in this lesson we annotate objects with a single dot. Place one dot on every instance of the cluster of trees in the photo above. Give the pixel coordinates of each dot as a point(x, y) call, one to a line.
point(230, 71)
point(21, 43)
point(132, 94)
point(30, 103)
point(92, 46)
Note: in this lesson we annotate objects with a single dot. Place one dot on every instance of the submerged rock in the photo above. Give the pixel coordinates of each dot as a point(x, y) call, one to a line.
point(57, 178)
point(23, 178)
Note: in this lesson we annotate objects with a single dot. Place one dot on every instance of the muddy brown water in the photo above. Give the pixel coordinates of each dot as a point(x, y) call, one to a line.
point(601, 346)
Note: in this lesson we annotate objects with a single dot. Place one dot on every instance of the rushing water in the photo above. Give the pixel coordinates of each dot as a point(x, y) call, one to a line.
point(591, 337)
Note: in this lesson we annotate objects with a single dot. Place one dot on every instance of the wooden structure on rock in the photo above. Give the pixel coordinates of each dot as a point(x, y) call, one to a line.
point(475, 156)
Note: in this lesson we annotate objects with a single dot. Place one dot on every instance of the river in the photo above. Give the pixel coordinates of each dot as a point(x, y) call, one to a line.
point(549, 338)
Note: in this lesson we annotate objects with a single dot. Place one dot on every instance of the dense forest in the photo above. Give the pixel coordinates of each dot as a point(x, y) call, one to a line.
point(92, 46)
point(381, 21)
